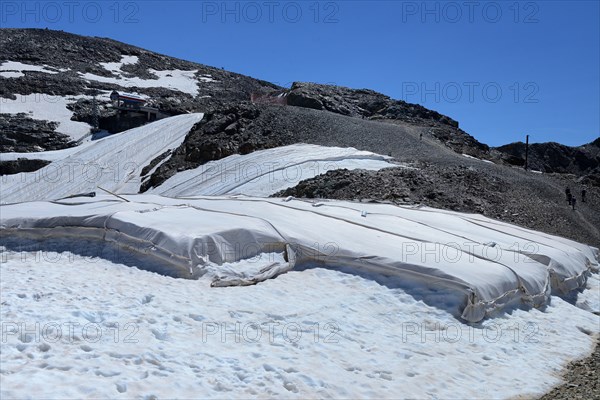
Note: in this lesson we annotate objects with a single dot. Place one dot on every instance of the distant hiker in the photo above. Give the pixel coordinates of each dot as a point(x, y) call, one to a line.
point(421, 136)
point(574, 201)
point(583, 193)
point(568, 193)
point(569, 198)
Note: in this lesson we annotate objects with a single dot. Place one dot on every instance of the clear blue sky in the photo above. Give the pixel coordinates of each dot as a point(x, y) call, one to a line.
point(503, 69)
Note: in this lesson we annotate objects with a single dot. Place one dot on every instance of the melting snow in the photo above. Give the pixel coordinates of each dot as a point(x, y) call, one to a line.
point(478, 159)
point(183, 81)
point(115, 67)
point(47, 107)
point(14, 69)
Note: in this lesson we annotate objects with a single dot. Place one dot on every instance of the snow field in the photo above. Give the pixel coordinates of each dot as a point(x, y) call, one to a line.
point(183, 81)
point(14, 69)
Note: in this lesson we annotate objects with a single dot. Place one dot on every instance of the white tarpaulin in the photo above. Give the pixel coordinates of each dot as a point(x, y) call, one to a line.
point(114, 163)
point(486, 263)
point(265, 172)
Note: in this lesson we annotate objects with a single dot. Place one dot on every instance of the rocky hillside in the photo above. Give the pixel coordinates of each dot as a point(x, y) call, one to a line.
point(71, 55)
point(555, 157)
point(364, 103)
point(60, 64)
point(245, 127)
point(45, 66)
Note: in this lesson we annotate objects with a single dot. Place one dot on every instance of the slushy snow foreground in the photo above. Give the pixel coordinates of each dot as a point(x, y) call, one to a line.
point(90, 323)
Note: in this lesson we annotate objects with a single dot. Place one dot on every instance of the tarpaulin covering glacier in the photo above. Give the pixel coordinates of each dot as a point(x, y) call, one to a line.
point(117, 163)
point(479, 264)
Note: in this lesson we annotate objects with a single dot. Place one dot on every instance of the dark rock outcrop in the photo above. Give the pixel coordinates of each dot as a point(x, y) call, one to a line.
point(21, 165)
point(360, 103)
point(19, 133)
point(554, 157)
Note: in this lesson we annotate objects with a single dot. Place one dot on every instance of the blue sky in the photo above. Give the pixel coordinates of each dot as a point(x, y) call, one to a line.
point(503, 69)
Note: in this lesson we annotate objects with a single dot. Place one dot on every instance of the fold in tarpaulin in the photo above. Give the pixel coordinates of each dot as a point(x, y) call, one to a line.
point(485, 263)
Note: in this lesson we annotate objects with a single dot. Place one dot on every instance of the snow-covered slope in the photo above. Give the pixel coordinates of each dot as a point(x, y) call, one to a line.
point(265, 172)
point(114, 163)
point(12, 69)
point(479, 265)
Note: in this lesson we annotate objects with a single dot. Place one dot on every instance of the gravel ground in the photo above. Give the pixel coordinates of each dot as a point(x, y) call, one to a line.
point(582, 380)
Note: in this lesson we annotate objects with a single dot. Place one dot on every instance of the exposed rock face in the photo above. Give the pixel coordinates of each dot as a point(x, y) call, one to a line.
point(455, 188)
point(360, 102)
point(19, 133)
point(555, 157)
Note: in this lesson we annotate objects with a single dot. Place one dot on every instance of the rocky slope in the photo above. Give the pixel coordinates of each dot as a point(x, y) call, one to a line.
point(246, 127)
point(555, 157)
point(369, 104)
point(20, 133)
point(73, 66)
point(70, 55)
point(77, 66)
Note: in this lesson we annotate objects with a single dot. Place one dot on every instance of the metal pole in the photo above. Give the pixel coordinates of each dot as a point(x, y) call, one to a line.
point(116, 195)
point(526, 152)
point(95, 112)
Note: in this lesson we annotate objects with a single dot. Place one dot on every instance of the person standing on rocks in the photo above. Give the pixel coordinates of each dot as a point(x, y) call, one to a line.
point(574, 201)
point(583, 193)
point(568, 194)
point(569, 198)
